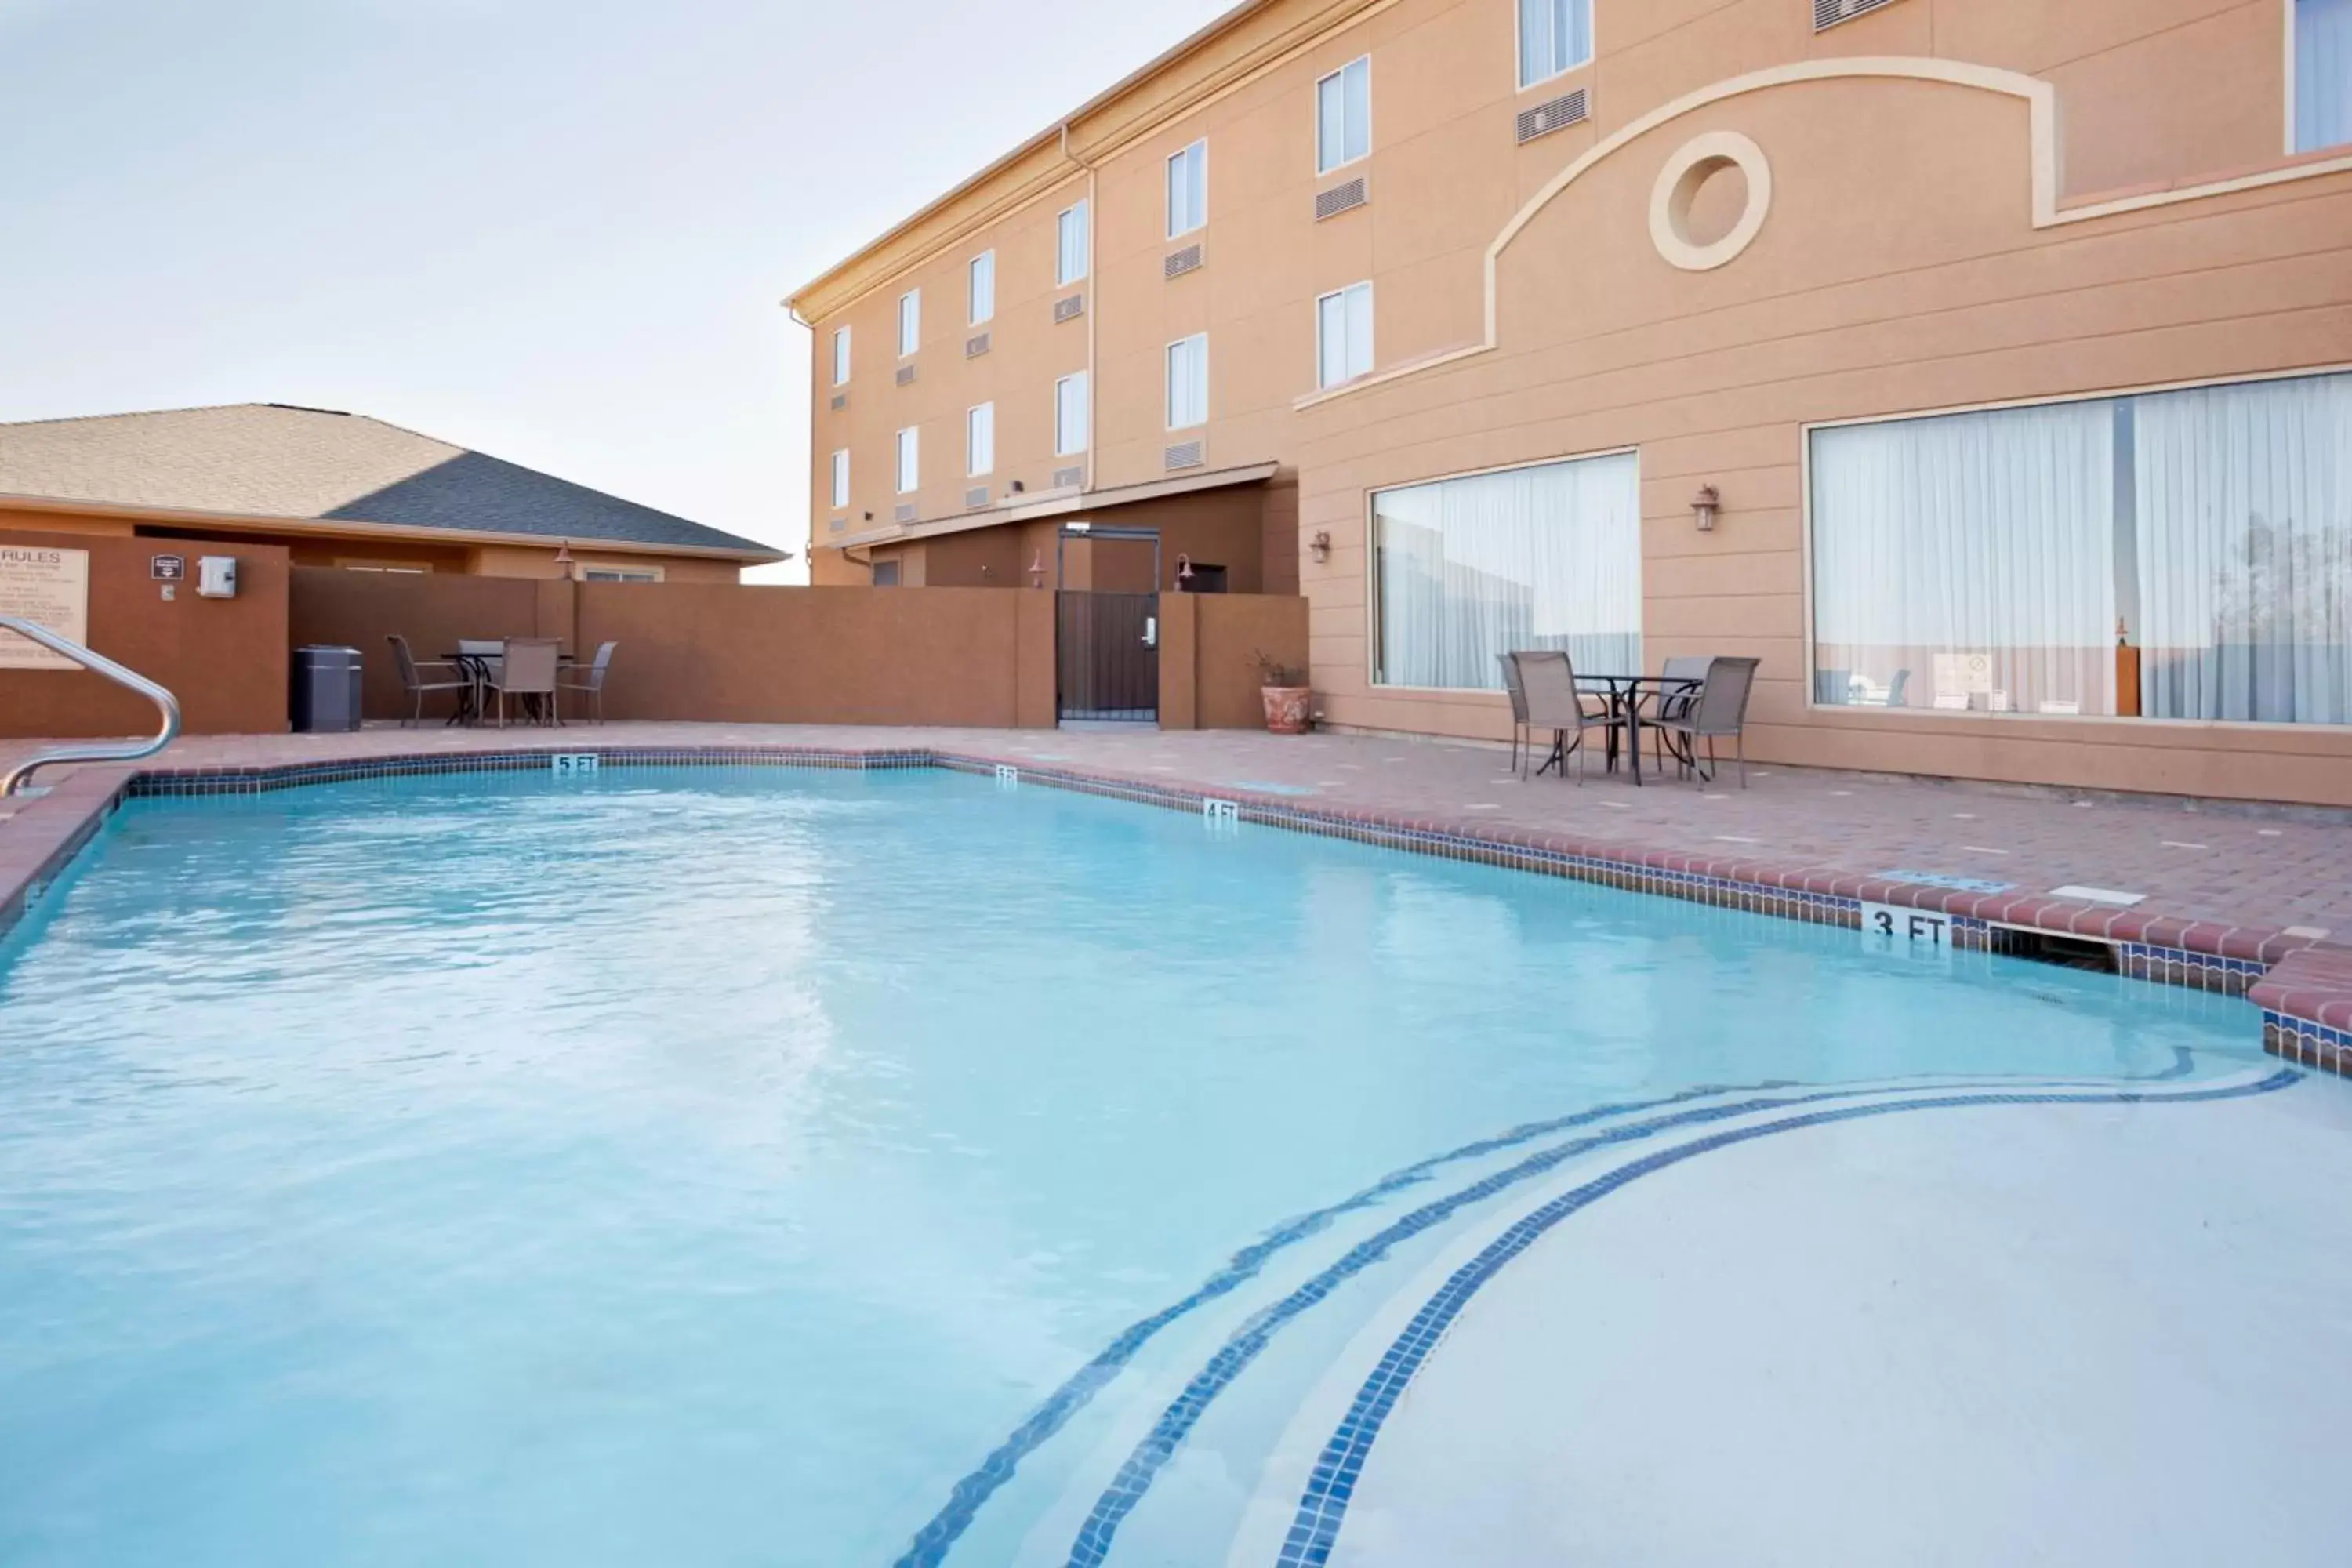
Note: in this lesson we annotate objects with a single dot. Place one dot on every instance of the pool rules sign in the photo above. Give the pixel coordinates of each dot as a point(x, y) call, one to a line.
point(47, 586)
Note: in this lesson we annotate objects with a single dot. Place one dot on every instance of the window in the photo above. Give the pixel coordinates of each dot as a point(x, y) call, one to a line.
point(841, 478)
point(2322, 74)
point(980, 440)
point(2177, 555)
point(1343, 335)
point(885, 573)
point(910, 321)
point(911, 461)
point(1070, 415)
point(1555, 36)
point(982, 288)
point(1545, 557)
point(841, 356)
point(1343, 115)
point(1188, 382)
point(1070, 246)
point(1188, 189)
point(591, 572)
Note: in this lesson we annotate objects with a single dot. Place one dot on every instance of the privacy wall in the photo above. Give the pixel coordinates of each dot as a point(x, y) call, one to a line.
point(224, 660)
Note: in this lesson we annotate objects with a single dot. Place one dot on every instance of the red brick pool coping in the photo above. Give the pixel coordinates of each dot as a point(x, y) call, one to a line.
point(2302, 984)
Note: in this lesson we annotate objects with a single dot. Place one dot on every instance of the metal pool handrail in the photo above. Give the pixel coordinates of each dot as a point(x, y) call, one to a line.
point(95, 751)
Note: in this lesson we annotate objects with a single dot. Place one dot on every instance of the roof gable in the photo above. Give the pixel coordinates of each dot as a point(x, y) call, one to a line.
point(272, 460)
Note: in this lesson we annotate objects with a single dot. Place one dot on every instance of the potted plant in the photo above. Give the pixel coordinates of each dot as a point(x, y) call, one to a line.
point(1288, 710)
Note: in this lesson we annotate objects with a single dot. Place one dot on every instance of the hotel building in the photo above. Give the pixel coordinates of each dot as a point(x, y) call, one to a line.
point(1982, 366)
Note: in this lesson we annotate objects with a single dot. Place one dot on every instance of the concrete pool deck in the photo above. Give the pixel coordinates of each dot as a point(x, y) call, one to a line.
point(2224, 897)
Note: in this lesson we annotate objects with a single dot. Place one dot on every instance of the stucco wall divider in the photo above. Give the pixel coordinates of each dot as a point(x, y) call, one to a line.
point(2041, 102)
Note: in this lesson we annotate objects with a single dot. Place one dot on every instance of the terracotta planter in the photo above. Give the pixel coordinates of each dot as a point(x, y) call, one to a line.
point(1288, 711)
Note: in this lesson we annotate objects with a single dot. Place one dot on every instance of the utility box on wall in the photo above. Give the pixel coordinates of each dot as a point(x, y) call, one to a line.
point(216, 577)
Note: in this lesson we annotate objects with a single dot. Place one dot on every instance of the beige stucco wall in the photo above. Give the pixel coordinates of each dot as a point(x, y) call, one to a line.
point(1901, 268)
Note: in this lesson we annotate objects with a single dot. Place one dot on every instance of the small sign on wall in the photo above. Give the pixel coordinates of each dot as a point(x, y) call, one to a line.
point(167, 568)
point(47, 586)
point(568, 764)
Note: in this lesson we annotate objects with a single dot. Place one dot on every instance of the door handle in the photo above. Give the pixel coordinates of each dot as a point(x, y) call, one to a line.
point(1151, 631)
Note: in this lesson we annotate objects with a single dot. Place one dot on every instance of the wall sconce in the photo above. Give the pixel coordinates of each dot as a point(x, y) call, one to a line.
point(1320, 545)
point(1704, 507)
point(869, 517)
point(1038, 570)
point(1019, 489)
point(563, 560)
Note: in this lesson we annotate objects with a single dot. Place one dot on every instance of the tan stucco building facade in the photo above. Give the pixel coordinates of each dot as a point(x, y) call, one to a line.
point(1960, 308)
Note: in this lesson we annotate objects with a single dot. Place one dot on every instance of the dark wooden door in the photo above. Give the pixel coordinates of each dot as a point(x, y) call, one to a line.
point(1106, 651)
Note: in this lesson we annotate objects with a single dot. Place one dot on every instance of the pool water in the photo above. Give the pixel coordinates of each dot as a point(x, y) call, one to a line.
point(752, 1166)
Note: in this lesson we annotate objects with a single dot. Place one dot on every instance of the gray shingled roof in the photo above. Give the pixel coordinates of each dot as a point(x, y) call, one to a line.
point(265, 459)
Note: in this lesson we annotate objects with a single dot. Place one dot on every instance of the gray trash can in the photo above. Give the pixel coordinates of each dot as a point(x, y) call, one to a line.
point(326, 687)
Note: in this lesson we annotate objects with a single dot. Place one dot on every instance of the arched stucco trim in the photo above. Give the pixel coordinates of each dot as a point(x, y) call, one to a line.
point(2042, 104)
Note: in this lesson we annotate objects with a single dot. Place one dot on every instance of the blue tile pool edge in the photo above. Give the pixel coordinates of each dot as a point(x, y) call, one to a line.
point(2140, 959)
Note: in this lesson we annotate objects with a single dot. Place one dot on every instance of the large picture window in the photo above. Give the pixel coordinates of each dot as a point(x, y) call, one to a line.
point(2171, 555)
point(1545, 557)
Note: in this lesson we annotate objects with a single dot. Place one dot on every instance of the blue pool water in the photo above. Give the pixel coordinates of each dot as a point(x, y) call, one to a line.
point(723, 1166)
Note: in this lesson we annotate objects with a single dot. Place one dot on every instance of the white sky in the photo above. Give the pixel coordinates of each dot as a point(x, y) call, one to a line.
point(557, 231)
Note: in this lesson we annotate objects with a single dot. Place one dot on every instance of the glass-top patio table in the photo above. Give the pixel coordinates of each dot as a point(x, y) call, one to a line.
point(1625, 693)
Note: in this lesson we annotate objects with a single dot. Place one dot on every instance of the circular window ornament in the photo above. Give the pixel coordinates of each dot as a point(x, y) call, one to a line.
point(1671, 200)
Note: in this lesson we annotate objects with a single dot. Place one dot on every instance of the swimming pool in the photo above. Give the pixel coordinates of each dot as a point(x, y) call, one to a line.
point(729, 1167)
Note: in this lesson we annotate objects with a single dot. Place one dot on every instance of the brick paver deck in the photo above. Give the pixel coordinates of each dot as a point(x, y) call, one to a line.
point(2256, 886)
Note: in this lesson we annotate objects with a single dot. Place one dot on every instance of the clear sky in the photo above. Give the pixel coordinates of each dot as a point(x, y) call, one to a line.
point(558, 231)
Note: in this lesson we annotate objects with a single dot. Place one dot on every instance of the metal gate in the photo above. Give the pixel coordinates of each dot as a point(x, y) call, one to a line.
point(1107, 652)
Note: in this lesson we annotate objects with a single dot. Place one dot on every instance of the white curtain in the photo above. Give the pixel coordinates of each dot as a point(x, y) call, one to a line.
point(2322, 74)
point(1974, 535)
point(1553, 36)
point(1546, 557)
point(2245, 551)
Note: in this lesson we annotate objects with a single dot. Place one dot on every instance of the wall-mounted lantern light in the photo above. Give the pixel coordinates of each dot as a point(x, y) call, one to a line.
point(1038, 570)
point(1320, 544)
point(1704, 506)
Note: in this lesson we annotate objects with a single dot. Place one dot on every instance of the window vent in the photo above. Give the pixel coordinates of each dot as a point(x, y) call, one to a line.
point(976, 496)
point(1071, 308)
point(906, 376)
point(1829, 13)
point(906, 511)
point(840, 401)
point(1180, 262)
point(1344, 197)
point(1553, 113)
point(974, 347)
point(836, 525)
point(1066, 478)
point(1184, 455)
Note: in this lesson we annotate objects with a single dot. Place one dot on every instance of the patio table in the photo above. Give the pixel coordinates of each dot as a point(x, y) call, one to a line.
point(1625, 693)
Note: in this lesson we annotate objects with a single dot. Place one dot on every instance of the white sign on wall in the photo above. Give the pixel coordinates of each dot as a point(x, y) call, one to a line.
point(51, 587)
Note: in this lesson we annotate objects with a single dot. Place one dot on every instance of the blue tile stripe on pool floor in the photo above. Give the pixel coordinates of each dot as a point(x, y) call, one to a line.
point(1323, 1505)
point(1144, 1463)
point(932, 1543)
